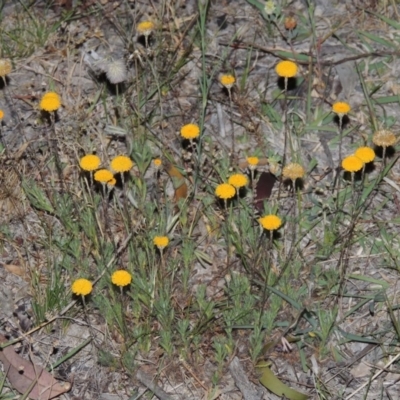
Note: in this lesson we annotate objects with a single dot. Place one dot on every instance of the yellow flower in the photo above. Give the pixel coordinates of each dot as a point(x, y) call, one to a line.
point(161, 241)
point(341, 108)
point(190, 131)
point(225, 191)
point(111, 183)
point(293, 171)
point(352, 163)
point(157, 162)
point(103, 176)
point(253, 162)
point(50, 102)
point(238, 180)
point(227, 80)
point(145, 28)
point(121, 278)
point(384, 138)
point(81, 287)
point(90, 162)
point(270, 222)
point(5, 67)
point(269, 7)
point(121, 164)
point(1, 114)
point(286, 69)
point(366, 154)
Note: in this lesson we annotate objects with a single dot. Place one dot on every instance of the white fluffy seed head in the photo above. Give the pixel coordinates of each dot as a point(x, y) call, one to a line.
point(116, 71)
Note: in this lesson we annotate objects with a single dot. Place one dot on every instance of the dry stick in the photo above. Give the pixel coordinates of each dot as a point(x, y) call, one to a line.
point(375, 376)
point(148, 382)
point(73, 302)
point(275, 51)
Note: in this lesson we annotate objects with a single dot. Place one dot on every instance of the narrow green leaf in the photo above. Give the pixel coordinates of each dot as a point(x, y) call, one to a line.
point(273, 384)
point(364, 278)
point(389, 21)
point(351, 337)
point(378, 39)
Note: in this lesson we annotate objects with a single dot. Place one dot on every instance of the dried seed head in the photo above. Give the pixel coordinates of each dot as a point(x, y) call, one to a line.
point(116, 71)
point(5, 67)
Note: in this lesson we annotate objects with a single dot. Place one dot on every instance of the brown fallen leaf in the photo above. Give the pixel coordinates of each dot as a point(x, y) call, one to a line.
point(15, 269)
point(24, 376)
point(178, 181)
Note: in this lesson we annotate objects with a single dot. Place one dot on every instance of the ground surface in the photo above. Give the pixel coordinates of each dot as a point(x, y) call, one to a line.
point(224, 294)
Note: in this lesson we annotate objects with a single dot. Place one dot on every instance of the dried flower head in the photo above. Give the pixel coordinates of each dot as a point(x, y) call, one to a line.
point(81, 287)
point(90, 162)
point(145, 28)
point(270, 222)
point(253, 162)
point(50, 102)
point(384, 138)
point(121, 164)
point(227, 80)
point(116, 71)
point(290, 23)
point(1, 114)
point(190, 131)
point(238, 180)
point(341, 108)
point(225, 191)
point(161, 242)
point(365, 154)
point(103, 176)
point(286, 69)
point(121, 278)
point(293, 171)
point(5, 67)
point(352, 164)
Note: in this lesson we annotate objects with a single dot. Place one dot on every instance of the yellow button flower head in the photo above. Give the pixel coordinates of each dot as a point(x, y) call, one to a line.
point(270, 222)
point(145, 28)
point(365, 154)
point(121, 164)
point(227, 80)
point(286, 69)
point(103, 176)
point(238, 180)
point(384, 138)
point(5, 67)
point(253, 162)
point(111, 183)
point(90, 162)
point(293, 171)
point(81, 287)
point(157, 162)
point(50, 102)
point(190, 131)
point(121, 278)
point(352, 164)
point(341, 108)
point(1, 114)
point(225, 191)
point(161, 242)
point(269, 7)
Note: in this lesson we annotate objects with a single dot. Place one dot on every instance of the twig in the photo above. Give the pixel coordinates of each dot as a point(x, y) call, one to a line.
point(374, 377)
point(275, 52)
point(148, 382)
